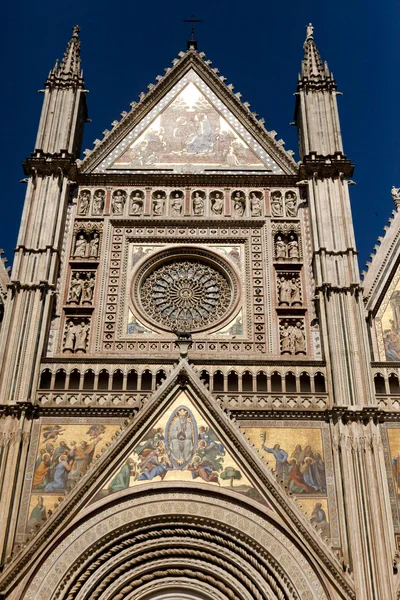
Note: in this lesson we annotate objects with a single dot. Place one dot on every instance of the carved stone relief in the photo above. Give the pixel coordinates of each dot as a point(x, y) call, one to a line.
point(137, 201)
point(98, 202)
point(287, 244)
point(217, 203)
point(289, 289)
point(158, 203)
point(118, 202)
point(176, 203)
point(256, 204)
point(76, 335)
point(276, 204)
point(84, 203)
point(292, 336)
point(284, 204)
point(238, 204)
point(198, 203)
point(82, 288)
point(86, 244)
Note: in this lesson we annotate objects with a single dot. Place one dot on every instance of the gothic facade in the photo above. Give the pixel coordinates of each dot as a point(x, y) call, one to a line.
point(199, 397)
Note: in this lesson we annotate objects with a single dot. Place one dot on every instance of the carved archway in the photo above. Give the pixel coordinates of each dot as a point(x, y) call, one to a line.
point(154, 542)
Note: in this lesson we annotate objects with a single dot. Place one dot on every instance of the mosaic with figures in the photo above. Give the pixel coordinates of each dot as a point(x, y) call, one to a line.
point(300, 456)
point(61, 452)
point(181, 447)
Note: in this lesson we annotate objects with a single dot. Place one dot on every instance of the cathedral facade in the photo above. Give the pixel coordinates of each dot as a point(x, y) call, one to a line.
point(200, 398)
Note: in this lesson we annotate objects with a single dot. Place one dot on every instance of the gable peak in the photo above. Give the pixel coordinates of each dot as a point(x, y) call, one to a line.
point(196, 60)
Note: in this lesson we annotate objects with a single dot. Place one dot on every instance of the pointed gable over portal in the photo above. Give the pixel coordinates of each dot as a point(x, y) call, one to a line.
point(190, 122)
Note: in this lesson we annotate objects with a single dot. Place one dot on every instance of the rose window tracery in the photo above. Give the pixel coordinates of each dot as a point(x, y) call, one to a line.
point(186, 294)
point(185, 290)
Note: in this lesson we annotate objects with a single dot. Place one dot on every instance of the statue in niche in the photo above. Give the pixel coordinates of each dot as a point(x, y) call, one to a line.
point(84, 202)
point(118, 202)
point(293, 247)
point(75, 291)
point(285, 291)
point(69, 341)
point(158, 205)
point(295, 291)
point(98, 202)
point(280, 248)
point(81, 334)
point(80, 245)
point(94, 245)
point(396, 196)
point(136, 204)
point(176, 205)
point(276, 204)
point(198, 205)
point(299, 339)
point(239, 204)
point(291, 204)
point(217, 204)
point(286, 339)
point(255, 205)
point(88, 289)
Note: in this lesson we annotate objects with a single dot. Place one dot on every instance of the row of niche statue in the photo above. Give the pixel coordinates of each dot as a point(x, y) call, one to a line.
point(176, 203)
point(82, 288)
point(289, 290)
point(283, 206)
point(287, 246)
point(86, 245)
point(76, 336)
point(293, 339)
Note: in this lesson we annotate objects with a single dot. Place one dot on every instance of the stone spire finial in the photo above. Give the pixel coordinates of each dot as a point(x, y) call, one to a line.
point(312, 66)
point(396, 196)
point(310, 31)
point(69, 69)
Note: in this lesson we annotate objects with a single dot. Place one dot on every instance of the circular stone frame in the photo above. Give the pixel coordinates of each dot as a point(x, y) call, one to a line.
point(178, 254)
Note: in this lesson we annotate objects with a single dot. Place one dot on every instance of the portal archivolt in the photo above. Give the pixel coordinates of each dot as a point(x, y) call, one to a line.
point(193, 546)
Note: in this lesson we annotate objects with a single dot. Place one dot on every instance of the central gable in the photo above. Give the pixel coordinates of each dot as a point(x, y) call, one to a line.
point(189, 130)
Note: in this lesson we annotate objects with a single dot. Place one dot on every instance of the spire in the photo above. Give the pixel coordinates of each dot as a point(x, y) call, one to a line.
point(312, 67)
point(69, 70)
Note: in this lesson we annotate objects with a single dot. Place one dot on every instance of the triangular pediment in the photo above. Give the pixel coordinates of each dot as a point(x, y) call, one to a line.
point(228, 461)
point(189, 122)
point(181, 446)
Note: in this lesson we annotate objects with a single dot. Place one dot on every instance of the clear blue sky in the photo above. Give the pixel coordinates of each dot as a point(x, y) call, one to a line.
point(257, 45)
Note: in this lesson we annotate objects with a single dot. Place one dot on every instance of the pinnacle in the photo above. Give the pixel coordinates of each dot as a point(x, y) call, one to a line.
point(312, 67)
point(69, 69)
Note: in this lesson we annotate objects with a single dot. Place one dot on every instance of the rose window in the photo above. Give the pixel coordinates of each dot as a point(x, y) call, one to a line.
point(186, 293)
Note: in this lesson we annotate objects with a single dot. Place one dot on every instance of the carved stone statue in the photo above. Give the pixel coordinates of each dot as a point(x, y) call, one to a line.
point(176, 205)
point(280, 248)
point(81, 334)
point(80, 245)
point(198, 205)
point(136, 204)
point(84, 202)
point(293, 247)
point(291, 204)
point(286, 339)
point(88, 289)
point(285, 291)
point(118, 202)
point(396, 196)
point(75, 291)
point(299, 339)
point(295, 291)
point(276, 204)
point(158, 205)
point(217, 205)
point(94, 245)
point(69, 341)
point(255, 205)
point(98, 202)
point(239, 204)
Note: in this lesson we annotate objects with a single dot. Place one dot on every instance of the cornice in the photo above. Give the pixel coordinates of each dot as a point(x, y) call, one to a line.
point(44, 163)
